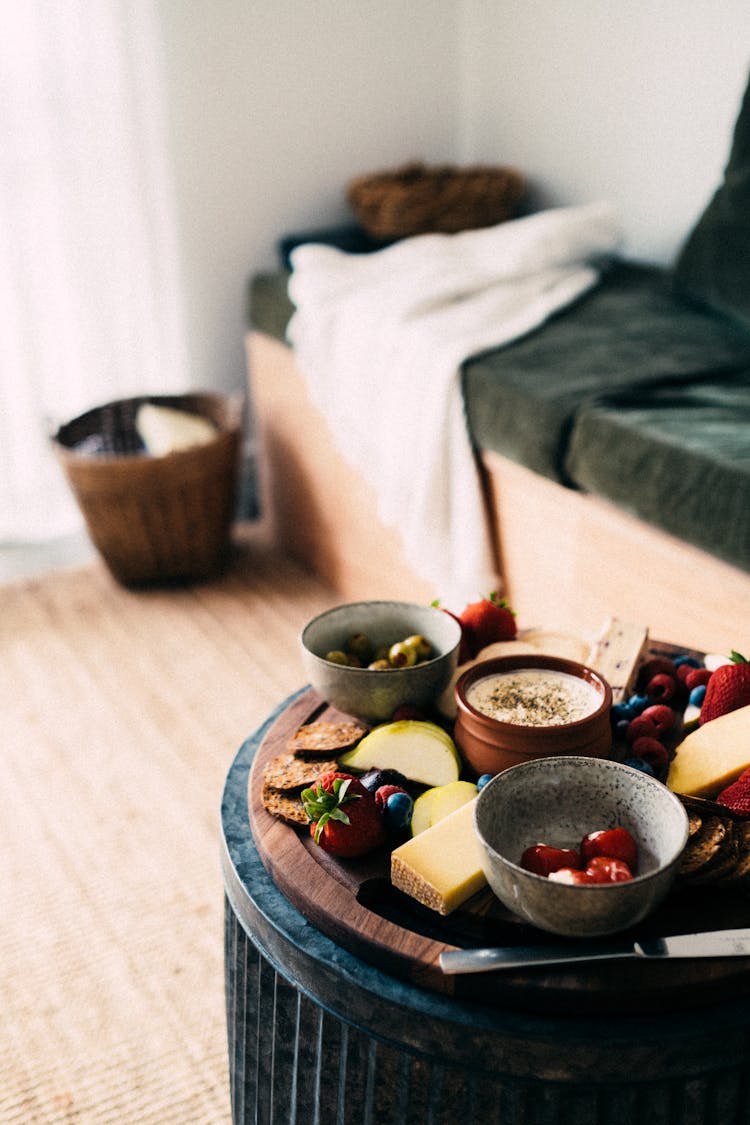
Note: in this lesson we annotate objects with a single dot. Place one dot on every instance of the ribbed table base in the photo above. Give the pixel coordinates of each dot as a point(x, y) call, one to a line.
point(294, 1062)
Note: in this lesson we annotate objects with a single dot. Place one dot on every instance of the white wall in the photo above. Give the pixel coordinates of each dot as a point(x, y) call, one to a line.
point(630, 100)
point(273, 105)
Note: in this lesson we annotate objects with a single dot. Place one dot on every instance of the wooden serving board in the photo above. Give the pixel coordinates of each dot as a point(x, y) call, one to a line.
point(354, 903)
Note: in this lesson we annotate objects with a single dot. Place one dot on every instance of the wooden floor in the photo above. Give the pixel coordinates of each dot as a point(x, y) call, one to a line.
point(122, 712)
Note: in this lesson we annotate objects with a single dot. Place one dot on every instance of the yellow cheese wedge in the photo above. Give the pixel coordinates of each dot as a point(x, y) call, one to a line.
point(713, 756)
point(442, 866)
point(616, 655)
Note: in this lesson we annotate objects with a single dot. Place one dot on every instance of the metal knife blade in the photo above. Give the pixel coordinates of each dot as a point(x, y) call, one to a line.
point(717, 943)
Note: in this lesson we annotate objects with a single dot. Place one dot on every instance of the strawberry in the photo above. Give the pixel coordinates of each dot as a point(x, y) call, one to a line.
point(728, 689)
point(344, 817)
point(486, 621)
point(736, 796)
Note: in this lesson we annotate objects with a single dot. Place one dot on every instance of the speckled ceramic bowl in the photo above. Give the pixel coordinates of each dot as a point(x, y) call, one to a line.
point(375, 695)
point(557, 801)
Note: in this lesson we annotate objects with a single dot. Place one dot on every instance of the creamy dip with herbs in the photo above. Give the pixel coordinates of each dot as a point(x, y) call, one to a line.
point(534, 697)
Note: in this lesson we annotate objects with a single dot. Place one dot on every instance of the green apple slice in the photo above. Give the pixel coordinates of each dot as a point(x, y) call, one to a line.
point(438, 802)
point(421, 751)
point(450, 797)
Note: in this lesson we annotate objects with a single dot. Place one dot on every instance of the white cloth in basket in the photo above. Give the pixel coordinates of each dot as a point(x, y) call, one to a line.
point(380, 339)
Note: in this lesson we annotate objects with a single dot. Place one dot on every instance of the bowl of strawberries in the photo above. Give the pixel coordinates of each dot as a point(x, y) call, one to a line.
point(577, 846)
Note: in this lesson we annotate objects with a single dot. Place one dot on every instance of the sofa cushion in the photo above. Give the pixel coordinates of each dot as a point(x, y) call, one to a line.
point(678, 458)
point(629, 332)
point(713, 266)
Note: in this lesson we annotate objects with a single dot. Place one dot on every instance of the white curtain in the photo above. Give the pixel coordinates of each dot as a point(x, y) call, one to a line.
point(90, 295)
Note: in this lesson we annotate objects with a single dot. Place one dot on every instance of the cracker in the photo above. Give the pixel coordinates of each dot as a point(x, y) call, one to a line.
point(703, 846)
point(326, 738)
point(287, 772)
point(286, 806)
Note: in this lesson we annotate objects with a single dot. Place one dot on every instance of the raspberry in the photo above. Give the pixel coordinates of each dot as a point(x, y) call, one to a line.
point(641, 726)
point(653, 667)
point(383, 792)
point(650, 750)
point(661, 716)
point(661, 687)
point(696, 677)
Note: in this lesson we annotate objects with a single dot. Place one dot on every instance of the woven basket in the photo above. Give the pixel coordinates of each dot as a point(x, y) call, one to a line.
point(154, 518)
point(417, 199)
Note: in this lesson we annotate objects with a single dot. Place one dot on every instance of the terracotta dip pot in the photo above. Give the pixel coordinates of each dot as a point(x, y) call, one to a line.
point(512, 709)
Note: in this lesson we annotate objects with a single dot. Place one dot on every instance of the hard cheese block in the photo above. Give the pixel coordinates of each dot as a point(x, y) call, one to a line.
point(442, 866)
point(616, 655)
point(712, 756)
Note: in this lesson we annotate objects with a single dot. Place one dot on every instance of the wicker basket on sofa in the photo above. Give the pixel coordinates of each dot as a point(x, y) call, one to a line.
point(417, 199)
point(154, 518)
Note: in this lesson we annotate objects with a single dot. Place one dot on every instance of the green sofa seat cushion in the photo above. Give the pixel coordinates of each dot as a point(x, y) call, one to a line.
point(521, 401)
point(678, 458)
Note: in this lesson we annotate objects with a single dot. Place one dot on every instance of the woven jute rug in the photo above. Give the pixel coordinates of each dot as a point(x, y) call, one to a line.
point(120, 713)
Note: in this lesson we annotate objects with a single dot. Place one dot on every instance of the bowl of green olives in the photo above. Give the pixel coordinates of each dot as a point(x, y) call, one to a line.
point(368, 659)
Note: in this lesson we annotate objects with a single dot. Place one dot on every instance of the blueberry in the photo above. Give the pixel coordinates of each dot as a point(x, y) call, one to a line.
point(697, 695)
point(678, 660)
point(638, 703)
point(639, 764)
point(398, 810)
point(482, 781)
point(622, 711)
point(621, 728)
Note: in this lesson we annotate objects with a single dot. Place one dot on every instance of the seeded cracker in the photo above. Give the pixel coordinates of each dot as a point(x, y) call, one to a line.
point(286, 806)
point(289, 773)
point(325, 738)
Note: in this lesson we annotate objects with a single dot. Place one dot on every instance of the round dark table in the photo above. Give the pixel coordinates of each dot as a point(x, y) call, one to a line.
point(317, 1035)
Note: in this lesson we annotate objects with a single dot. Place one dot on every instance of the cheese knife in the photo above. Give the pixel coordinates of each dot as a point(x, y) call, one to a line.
point(718, 943)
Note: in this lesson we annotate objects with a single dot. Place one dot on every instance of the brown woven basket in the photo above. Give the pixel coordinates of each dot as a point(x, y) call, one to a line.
point(154, 518)
point(417, 199)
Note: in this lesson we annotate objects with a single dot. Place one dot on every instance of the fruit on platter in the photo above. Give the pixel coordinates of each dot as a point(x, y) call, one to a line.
point(727, 689)
point(736, 797)
point(606, 855)
point(344, 816)
point(488, 620)
point(438, 802)
point(420, 750)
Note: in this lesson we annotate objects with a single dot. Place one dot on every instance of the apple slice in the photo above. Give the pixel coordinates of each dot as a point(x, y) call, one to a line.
point(421, 817)
point(450, 797)
point(420, 750)
point(438, 802)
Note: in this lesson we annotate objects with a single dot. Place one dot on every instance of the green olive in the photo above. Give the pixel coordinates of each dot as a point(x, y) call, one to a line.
point(336, 656)
point(421, 644)
point(380, 666)
point(360, 645)
point(402, 655)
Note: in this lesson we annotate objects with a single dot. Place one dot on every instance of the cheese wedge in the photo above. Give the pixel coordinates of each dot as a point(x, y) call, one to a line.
point(713, 756)
point(442, 866)
point(616, 655)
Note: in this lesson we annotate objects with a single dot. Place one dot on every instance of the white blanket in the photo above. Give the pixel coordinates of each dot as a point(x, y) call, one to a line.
point(381, 338)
